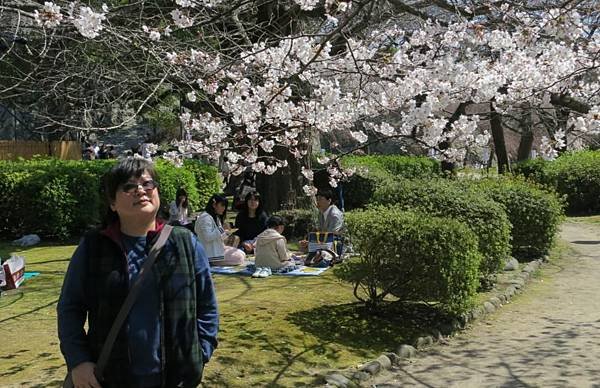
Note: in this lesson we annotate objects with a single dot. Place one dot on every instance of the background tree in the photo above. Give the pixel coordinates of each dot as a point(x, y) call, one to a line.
point(258, 78)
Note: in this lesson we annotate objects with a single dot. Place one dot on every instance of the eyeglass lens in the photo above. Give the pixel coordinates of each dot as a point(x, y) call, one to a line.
point(146, 185)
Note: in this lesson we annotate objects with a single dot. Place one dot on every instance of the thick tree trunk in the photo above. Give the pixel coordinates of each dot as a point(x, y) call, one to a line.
point(460, 110)
point(283, 189)
point(526, 142)
point(525, 146)
point(499, 142)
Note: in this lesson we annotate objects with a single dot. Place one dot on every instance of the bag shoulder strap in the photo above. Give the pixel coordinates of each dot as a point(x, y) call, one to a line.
point(130, 299)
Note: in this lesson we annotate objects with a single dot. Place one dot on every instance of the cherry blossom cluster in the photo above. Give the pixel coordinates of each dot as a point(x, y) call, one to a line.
point(86, 21)
point(396, 82)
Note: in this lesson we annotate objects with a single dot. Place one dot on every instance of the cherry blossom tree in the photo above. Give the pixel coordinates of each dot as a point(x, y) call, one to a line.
point(258, 80)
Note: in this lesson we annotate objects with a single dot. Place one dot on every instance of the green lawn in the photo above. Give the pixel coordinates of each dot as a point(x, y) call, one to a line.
point(279, 331)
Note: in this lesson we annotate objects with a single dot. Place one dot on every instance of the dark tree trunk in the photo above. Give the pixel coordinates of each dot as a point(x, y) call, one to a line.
point(562, 116)
point(283, 189)
point(460, 110)
point(499, 142)
point(526, 142)
point(525, 146)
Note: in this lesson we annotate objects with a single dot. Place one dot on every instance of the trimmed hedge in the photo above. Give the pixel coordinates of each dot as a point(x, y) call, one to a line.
point(446, 198)
point(207, 178)
point(532, 169)
point(298, 222)
point(360, 188)
point(373, 171)
point(413, 256)
point(410, 167)
point(577, 175)
point(60, 199)
point(533, 213)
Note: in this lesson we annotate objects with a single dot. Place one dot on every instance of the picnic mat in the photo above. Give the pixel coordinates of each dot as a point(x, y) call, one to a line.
point(248, 269)
point(29, 275)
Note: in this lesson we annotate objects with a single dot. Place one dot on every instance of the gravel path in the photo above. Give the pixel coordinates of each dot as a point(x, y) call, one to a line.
point(547, 337)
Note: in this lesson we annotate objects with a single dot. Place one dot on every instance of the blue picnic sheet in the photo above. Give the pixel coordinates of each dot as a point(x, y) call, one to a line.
point(248, 268)
point(29, 275)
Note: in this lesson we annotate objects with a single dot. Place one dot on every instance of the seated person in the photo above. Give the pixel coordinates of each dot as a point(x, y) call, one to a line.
point(331, 220)
point(179, 210)
point(250, 221)
point(271, 249)
point(211, 233)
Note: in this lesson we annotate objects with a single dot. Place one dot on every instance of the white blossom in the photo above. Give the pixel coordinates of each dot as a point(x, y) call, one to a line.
point(308, 173)
point(181, 19)
point(89, 23)
point(309, 190)
point(267, 145)
point(307, 5)
point(359, 136)
point(184, 3)
point(50, 16)
point(191, 96)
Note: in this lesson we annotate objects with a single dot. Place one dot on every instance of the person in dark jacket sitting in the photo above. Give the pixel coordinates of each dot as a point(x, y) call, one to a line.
point(250, 221)
point(171, 330)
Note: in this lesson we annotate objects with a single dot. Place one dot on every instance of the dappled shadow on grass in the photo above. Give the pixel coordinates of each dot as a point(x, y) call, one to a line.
point(30, 311)
point(354, 326)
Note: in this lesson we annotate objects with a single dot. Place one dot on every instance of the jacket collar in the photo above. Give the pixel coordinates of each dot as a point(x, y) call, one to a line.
point(113, 232)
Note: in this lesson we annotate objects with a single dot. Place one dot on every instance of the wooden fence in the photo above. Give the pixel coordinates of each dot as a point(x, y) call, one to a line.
point(13, 149)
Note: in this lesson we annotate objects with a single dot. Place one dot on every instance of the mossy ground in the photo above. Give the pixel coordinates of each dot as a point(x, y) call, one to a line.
point(279, 331)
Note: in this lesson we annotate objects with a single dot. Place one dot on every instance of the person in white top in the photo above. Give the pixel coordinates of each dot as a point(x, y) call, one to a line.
point(178, 209)
point(271, 247)
point(211, 233)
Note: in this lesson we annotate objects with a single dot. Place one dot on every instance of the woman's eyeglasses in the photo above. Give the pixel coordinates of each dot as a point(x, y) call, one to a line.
point(130, 188)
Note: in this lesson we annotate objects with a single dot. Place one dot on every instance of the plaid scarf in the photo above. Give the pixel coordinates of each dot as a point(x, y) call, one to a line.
point(106, 288)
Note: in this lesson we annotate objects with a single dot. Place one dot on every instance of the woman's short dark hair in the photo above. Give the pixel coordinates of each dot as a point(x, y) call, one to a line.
point(120, 174)
point(275, 221)
point(213, 200)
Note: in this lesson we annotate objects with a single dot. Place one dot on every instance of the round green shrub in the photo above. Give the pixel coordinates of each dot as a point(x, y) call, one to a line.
point(446, 198)
point(298, 222)
point(533, 169)
point(413, 256)
point(534, 213)
point(577, 175)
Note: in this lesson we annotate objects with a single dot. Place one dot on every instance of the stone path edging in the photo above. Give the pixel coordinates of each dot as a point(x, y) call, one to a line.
point(352, 378)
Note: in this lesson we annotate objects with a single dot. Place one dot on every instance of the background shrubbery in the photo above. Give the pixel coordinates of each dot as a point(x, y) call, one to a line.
point(298, 222)
point(575, 175)
point(55, 198)
point(446, 198)
point(413, 256)
point(373, 171)
point(533, 212)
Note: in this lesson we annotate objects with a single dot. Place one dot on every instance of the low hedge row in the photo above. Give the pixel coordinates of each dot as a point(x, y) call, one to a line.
point(373, 171)
point(410, 167)
point(533, 212)
point(59, 199)
point(446, 198)
point(298, 222)
point(413, 256)
point(575, 175)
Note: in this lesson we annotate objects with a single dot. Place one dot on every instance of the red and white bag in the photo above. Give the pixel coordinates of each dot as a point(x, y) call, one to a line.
point(14, 271)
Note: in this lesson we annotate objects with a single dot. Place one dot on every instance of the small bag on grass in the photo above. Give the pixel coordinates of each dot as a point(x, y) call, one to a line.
point(14, 271)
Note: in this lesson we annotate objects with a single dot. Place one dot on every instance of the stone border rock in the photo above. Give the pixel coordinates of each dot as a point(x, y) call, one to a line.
point(352, 378)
